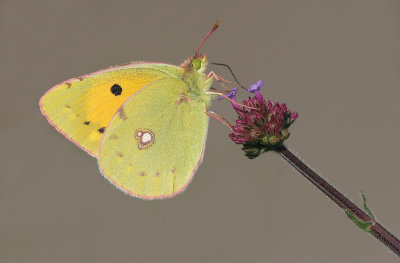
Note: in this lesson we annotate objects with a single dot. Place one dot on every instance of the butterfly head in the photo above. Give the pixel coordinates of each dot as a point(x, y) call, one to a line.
point(197, 63)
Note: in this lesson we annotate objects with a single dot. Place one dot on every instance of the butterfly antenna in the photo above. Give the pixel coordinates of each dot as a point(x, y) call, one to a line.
point(209, 33)
point(225, 65)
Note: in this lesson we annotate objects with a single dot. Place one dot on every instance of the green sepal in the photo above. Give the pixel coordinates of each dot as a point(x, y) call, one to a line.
point(267, 143)
point(366, 226)
point(252, 151)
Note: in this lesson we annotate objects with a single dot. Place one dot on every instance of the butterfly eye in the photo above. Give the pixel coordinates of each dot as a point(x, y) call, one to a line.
point(196, 63)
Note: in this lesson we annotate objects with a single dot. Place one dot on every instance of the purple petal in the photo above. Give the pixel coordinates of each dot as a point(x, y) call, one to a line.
point(255, 87)
point(231, 94)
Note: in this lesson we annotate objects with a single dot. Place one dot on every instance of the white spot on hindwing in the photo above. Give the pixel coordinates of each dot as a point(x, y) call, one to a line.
point(145, 138)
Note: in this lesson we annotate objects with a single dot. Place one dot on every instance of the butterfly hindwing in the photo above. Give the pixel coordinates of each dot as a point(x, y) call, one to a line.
point(155, 141)
point(82, 108)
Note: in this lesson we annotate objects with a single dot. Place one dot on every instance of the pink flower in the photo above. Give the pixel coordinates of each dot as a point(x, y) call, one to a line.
point(261, 125)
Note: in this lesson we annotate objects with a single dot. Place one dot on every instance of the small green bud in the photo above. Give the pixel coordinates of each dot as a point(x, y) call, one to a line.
point(284, 134)
point(273, 140)
point(264, 140)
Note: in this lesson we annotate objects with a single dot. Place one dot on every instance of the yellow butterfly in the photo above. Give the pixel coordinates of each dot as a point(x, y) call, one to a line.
point(146, 123)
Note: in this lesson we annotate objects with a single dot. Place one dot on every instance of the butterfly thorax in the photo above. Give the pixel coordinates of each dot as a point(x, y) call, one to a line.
point(196, 80)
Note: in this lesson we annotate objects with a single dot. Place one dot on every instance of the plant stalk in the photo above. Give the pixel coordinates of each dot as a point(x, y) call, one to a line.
point(376, 229)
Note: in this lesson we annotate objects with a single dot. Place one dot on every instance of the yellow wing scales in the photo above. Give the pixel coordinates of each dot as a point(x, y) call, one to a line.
point(155, 150)
point(82, 108)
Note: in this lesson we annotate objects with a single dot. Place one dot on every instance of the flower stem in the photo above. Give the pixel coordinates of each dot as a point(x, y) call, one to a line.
point(375, 228)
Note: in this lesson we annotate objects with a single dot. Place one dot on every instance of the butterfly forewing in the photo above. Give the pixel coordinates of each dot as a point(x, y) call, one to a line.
point(82, 108)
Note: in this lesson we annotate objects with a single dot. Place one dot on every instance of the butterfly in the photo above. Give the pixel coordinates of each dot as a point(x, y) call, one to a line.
point(146, 123)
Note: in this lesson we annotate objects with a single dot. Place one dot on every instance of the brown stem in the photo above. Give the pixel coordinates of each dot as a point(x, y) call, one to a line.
point(376, 229)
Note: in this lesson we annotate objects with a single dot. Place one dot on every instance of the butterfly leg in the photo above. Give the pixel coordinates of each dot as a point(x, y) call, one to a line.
point(226, 97)
point(219, 118)
point(218, 78)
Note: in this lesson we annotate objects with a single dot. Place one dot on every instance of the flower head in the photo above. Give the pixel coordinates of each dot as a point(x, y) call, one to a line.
point(261, 125)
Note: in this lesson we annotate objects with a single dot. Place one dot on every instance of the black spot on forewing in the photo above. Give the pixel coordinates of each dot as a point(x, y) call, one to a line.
point(67, 106)
point(116, 89)
point(101, 130)
point(86, 122)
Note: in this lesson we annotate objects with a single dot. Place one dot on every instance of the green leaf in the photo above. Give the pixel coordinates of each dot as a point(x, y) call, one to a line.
point(366, 226)
point(366, 208)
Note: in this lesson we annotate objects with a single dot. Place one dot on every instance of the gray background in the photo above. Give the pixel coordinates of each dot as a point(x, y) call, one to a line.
point(335, 62)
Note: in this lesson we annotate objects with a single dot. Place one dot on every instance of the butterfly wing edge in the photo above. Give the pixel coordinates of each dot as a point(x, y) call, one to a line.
point(179, 191)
